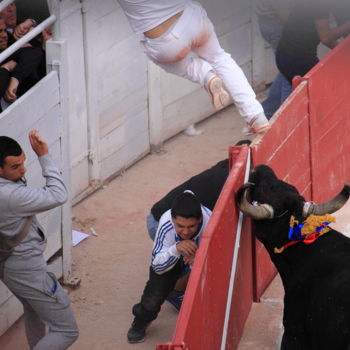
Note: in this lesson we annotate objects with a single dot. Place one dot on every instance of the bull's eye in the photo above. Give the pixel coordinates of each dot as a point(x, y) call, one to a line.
point(256, 203)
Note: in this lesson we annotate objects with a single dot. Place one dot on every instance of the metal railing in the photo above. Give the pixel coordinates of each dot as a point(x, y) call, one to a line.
point(5, 3)
point(26, 38)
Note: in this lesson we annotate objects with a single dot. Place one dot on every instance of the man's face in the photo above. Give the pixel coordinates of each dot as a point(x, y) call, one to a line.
point(3, 35)
point(9, 14)
point(186, 228)
point(13, 168)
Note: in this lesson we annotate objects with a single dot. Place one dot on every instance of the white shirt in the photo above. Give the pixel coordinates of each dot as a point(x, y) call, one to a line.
point(164, 254)
point(144, 15)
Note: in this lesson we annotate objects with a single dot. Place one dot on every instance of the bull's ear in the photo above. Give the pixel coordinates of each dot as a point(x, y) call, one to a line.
point(241, 190)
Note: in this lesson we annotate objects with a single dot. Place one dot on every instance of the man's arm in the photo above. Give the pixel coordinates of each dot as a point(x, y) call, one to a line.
point(28, 201)
point(4, 80)
point(328, 35)
point(164, 254)
point(28, 59)
point(23, 28)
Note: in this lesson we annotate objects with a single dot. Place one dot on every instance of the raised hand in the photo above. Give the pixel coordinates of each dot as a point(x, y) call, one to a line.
point(40, 147)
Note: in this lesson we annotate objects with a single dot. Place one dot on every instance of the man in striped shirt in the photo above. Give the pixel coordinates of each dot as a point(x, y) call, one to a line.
point(178, 236)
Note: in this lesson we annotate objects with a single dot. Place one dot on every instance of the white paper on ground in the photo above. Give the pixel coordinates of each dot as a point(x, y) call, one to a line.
point(77, 237)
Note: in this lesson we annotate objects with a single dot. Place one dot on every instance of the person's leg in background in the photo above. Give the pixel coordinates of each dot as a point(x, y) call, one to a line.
point(286, 88)
point(280, 89)
point(152, 226)
point(278, 92)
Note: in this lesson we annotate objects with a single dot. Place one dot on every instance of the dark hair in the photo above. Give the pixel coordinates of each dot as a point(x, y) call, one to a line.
point(8, 147)
point(187, 206)
point(243, 142)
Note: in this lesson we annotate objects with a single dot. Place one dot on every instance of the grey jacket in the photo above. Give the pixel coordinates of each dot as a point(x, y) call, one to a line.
point(18, 202)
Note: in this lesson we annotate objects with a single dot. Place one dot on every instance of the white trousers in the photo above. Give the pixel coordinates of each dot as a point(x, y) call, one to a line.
point(195, 32)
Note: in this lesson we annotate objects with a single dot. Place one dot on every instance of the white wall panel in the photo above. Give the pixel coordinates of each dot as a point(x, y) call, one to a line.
point(118, 68)
point(71, 29)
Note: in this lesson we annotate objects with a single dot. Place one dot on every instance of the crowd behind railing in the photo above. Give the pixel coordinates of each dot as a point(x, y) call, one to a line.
point(22, 52)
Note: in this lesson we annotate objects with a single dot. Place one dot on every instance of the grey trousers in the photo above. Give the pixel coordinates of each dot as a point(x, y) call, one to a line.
point(45, 304)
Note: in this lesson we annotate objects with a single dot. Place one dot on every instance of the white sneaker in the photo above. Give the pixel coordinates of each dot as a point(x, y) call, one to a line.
point(219, 96)
point(192, 131)
point(258, 124)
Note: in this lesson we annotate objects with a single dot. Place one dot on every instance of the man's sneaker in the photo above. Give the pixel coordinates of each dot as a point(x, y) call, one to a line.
point(175, 298)
point(137, 331)
point(219, 96)
point(258, 124)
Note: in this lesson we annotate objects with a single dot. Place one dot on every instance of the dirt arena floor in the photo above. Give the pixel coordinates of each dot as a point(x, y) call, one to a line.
point(113, 266)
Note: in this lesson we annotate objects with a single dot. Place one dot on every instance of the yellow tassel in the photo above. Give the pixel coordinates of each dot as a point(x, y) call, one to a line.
point(315, 221)
point(278, 250)
point(293, 222)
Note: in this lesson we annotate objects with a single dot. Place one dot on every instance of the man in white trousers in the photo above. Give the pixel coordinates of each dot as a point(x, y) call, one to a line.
point(171, 30)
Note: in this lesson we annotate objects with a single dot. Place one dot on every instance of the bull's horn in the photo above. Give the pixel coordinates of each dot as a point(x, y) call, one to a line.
point(328, 207)
point(256, 212)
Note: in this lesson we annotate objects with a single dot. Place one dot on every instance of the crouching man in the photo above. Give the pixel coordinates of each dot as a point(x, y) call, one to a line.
point(179, 232)
point(22, 243)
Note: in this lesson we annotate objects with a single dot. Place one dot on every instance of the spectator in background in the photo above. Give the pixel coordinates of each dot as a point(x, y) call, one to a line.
point(272, 15)
point(171, 30)
point(341, 12)
point(19, 72)
point(307, 25)
point(18, 30)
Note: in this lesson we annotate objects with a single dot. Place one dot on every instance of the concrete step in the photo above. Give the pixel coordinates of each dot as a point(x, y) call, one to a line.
point(263, 329)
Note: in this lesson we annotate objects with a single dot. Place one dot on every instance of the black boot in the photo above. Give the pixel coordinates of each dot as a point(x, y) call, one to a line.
point(137, 331)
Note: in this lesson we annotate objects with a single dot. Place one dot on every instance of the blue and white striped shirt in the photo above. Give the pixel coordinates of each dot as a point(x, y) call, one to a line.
point(164, 254)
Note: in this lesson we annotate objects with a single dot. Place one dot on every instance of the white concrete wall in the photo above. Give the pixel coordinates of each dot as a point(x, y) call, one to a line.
point(69, 27)
point(117, 89)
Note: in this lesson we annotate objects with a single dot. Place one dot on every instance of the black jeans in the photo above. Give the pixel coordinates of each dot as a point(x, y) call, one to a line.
point(157, 289)
point(292, 66)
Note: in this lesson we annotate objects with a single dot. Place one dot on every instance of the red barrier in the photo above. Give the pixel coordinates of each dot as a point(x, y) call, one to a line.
point(201, 319)
point(286, 149)
point(309, 147)
point(329, 94)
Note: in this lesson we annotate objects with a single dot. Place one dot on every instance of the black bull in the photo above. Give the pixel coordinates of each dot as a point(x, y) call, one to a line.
point(316, 277)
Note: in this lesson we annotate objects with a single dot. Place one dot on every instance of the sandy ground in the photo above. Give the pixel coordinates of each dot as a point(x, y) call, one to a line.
point(114, 265)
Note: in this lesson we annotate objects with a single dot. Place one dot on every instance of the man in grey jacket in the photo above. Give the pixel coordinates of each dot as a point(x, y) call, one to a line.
point(25, 273)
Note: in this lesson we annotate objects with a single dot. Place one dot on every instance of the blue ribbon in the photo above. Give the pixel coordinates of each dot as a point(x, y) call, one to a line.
point(295, 234)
